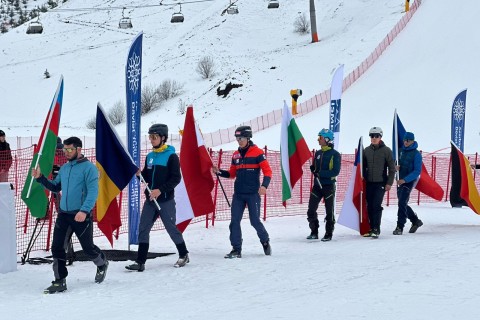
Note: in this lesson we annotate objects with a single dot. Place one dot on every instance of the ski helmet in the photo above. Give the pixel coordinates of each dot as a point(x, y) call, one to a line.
point(376, 130)
point(243, 131)
point(160, 129)
point(327, 134)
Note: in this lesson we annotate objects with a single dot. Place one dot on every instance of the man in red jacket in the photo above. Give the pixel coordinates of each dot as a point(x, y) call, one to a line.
point(247, 162)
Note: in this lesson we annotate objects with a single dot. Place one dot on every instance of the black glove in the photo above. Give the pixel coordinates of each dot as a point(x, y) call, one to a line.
point(312, 168)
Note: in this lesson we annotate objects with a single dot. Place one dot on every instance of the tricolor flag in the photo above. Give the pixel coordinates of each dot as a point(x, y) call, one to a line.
point(462, 180)
point(33, 194)
point(116, 169)
point(194, 193)
point(425, 184)
point(354, 210)
point(293, 152)
point(336, 104)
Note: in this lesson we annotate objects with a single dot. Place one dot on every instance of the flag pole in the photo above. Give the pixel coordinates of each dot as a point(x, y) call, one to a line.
point(47, 127)
point(149, 191)
point(395, 129)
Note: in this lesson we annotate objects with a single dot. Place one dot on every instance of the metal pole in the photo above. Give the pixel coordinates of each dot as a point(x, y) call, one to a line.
point(313, 21)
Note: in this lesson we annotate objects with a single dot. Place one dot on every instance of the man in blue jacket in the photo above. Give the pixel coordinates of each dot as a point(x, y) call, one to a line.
point(325, 168)
point(409, 168)
point(78, 181)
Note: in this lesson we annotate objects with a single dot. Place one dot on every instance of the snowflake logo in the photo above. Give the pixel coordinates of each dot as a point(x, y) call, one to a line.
point(458, 110)
point(133, 72)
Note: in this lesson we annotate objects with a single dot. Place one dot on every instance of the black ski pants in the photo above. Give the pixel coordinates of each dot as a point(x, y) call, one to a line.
point(84, 232)
point(375, 193)
point(327, 192)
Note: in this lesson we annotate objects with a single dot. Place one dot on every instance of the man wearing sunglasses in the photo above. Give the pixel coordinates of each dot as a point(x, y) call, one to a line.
point(247, 162)
point(162, 174)
point(78, 181)
point(409, 169)
point(379, 173)
point(325, 168)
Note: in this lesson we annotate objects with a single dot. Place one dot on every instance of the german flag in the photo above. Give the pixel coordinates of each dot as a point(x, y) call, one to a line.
point(463, 184)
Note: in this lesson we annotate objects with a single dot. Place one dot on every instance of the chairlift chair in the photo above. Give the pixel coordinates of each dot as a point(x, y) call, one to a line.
point(233, 9)
point(125, 23)
point(35, 27)
point(177, 16)
point(273, 4)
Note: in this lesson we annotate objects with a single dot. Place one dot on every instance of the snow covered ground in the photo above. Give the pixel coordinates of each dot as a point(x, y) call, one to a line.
point(431, 274)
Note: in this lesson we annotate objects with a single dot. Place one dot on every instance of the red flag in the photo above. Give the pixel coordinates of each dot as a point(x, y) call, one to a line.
point(354, 210)
point(428, 186)
point(194, 193)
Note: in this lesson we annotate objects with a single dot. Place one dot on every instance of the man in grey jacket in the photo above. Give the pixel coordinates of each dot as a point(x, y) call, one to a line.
point(379, 172)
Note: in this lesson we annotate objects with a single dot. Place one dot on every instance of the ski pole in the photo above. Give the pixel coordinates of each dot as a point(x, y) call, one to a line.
point(223, 190)
point(149, 191)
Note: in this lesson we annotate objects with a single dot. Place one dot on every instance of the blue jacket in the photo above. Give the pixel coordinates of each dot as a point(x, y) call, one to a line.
point(162, 171)
point(410, 163)
point(78, 181)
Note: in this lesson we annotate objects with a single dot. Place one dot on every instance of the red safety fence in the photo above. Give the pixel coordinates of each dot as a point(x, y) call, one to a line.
point(29, 228)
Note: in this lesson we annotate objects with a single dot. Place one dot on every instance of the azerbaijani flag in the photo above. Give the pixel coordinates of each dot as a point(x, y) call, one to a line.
point(354, 213)
point(463, 184)
point(33, 193)
point(294, 153)
point(116, 169)
point(194, 193)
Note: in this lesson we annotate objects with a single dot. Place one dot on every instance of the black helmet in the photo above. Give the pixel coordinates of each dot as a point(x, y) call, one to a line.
point(160, 129)
point(2, 133)
point(243, 131)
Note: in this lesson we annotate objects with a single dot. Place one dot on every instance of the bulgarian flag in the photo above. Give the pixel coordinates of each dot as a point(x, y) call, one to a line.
point(194, 193)
point(33, 194)
point(294, 153)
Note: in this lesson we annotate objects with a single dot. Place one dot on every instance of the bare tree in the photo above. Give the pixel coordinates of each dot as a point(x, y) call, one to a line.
point(301, 24)
point(181, 107)
point(206, 67)
point(117, 113)
point(169, 89)
point(91, 123)
point(150, 99)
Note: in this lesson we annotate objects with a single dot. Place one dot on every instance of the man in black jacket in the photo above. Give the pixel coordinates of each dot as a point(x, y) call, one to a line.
point(162, 174)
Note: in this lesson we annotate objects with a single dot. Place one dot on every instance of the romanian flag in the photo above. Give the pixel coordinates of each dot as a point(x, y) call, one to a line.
point(116, 169)
point(33, 194)
point(194, 193)
point(354, 213)
point(293, 152)
point(463, 184)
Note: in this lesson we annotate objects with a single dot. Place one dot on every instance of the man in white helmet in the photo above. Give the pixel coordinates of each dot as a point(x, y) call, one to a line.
point(379, 172)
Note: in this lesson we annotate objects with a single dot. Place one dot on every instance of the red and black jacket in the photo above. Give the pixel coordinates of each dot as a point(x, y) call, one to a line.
point(246, 165)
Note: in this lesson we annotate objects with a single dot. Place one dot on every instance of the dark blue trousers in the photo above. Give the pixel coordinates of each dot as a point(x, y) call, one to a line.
point(404, 210)
point(252, 202)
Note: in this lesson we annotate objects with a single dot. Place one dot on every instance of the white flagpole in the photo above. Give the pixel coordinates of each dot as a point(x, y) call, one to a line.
point(47, 127)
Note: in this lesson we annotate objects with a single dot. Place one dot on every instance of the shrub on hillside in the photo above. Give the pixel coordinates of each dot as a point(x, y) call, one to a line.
point(206, 67)
point(301, 24)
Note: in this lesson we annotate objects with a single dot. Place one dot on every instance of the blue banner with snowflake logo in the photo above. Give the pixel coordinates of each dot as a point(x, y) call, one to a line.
point(133, 86)
point(458, 119)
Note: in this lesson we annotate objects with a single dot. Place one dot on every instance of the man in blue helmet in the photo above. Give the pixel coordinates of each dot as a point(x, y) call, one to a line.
point(325, 168)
